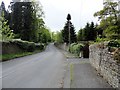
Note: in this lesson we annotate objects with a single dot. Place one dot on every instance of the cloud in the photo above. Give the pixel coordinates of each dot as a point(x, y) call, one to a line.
point(81, 11)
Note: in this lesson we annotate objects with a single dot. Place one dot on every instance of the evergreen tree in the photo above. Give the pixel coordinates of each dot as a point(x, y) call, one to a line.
point(27, 20)
point(88, 33)
point(65, 31)
point(18, 17)
point(3, 11)
point(92, 32)
point(80, 35)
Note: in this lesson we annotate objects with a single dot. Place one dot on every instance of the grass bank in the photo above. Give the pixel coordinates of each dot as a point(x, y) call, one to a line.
point(7, 57)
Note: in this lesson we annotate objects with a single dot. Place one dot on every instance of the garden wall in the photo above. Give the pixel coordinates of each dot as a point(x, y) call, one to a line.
point(19, 46)
point(106, 63)
point(62, 46)
point(10, 48)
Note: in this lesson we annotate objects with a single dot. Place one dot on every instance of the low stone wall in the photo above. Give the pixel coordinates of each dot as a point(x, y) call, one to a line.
point(62, 46)
point(105, 63)
point(10, 48)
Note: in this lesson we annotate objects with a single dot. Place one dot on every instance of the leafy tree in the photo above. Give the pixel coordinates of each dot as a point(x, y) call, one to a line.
point(109, 12)
point(45, 35)
point(109, 21)
point(58, 37)
point(53, 36)
point(5, 32)
point(65, 32)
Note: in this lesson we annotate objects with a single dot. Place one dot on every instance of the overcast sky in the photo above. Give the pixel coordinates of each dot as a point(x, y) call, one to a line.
point(56, 12)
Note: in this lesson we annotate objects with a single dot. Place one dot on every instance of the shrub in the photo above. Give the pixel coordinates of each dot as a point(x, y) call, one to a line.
point(75, 48)
point(114, 43)
point(24, 45)
point(40, 46)
point(98, 39)
point(71, 50)
point(31, 46)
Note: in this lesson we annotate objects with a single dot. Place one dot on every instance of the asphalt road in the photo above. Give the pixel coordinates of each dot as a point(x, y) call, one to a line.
point(42, 70)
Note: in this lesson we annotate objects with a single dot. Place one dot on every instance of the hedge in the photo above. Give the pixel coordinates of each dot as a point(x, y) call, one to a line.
point(28, 46)
point(114, 43)
point(76, 48)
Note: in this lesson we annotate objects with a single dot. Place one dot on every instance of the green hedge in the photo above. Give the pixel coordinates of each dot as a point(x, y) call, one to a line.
point(75, 48)
point(27, 46)
point(114, 43)
point(40, 46)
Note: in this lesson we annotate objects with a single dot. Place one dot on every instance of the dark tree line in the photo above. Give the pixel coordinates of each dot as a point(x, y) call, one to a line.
point(89, 33)
point(26, 21)
point(22, 19)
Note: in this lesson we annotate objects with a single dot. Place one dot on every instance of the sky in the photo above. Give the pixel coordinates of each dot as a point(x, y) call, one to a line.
point(56, 11)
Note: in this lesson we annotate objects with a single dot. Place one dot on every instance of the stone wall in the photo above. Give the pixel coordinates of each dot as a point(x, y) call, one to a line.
point(105, 63)
point(62, 46)
point(10, 48)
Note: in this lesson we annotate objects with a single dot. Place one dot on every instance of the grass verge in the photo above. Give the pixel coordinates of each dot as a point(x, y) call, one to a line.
point(7, 57)
point(71, 72)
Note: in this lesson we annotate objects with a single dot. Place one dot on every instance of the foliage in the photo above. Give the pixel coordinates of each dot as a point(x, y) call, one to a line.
point(45, 35)
point(27, 21)
point(113, 32)
point(109, 12)
point(39, 46)
point(28, 46)
point(5, 32)
point(25, 45)
point(75, 48)
point(68, 17)
point(98, 39)
point(109, 20)
point(88, 33)
point(114, 43)
point(65, 32)
point(3, 10)
point(57, 36)
point(80, 36)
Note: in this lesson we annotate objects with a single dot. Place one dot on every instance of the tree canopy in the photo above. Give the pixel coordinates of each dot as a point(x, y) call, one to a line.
point(65, 32)
point(88, 33)
point(109, 20)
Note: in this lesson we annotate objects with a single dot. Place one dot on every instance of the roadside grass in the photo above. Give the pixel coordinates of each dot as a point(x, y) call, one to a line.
point(71, 72)
point(6, 57)
point(71, 75)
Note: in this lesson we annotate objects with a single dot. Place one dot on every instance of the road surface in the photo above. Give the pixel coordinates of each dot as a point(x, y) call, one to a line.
point(42, 70)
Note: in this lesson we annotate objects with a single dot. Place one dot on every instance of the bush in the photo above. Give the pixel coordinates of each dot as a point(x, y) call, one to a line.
point(114, 44)
point(75, 48)
point(31, 47)
point(24, 45)
point(40, 46)
point(98, 39)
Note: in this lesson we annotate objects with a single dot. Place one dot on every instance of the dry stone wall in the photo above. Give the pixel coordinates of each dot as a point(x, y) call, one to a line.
point(105, 63)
